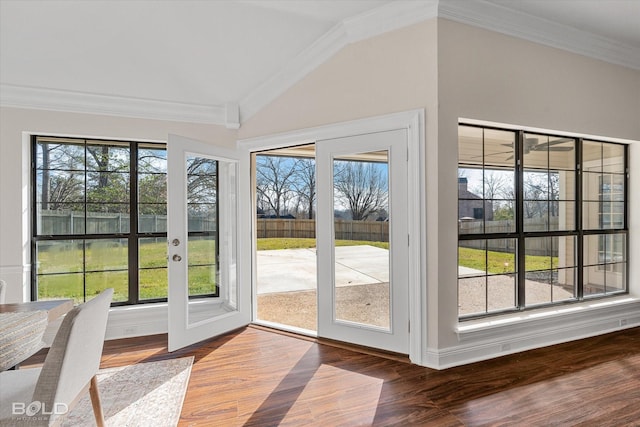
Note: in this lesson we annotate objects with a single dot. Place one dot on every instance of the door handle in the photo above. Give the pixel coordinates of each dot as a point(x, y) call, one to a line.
point(175, 242)
point(176, 258)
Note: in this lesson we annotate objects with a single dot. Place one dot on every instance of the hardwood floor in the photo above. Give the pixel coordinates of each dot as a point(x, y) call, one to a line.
point(254, 377)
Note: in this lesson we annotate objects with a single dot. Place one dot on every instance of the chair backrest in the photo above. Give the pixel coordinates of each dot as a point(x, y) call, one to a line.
point(74, 356)
point(3, 290)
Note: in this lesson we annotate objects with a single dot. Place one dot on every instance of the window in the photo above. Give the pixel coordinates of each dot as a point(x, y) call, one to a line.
point(542, 220)
point(100, 220)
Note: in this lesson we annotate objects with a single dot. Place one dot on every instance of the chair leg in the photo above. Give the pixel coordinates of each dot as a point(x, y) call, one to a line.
point(95, 402)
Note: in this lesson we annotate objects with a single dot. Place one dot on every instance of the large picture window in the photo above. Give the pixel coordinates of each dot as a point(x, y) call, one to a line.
point(542, 220)
point(100, 220)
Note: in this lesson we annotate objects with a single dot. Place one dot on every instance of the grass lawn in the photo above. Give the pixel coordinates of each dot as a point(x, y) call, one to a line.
point(60, 267)
point(501, 262)
point(291, 243)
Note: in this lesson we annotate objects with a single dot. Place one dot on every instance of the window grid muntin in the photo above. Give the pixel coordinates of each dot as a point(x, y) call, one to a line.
point(579, 232)
point(133, 236)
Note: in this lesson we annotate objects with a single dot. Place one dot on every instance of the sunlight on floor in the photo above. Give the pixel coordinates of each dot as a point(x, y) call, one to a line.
point(328, 406)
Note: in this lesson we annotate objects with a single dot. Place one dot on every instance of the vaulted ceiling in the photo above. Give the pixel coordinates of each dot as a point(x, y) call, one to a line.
point(201, 60)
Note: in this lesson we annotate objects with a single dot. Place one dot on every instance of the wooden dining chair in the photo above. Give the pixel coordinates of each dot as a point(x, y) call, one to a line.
point(42, 396)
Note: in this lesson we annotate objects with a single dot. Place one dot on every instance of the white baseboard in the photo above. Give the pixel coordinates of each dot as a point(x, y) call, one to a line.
point(137, 321)
point(484, 344)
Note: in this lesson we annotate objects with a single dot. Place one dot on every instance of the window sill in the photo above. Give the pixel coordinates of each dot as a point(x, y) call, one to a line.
point(600, 306)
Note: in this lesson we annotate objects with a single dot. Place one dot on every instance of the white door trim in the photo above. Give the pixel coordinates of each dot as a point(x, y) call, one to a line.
point(414, 122)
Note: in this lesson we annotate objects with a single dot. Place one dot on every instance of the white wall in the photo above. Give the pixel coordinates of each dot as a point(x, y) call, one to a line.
point(15, 125)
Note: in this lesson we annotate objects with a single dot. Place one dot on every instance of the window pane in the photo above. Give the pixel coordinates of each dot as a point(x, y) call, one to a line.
point(108, 218)
point(564, 251)
point(499, 148)
point(616, 277)
point(59, 256)
point(593, 280)
point(536, 151)
point(499, 184)
point(61, 286)
point(470, 184)
point(591, 156)
point(99, 281)
point(68, 218)
point(105, 157)
point(202, 217)
point(563, 284)
point(202, 280)
point(152, 159)
point(203, 271)
point(152, 252)
point(501, 292)
point(616, 248)
point(108, 187)
point(152, 218)
point(107, 254)
point(539, 253)
point(153, 283)
point(152, 188)
point(591, 186)
point(538, 287)
point(536, 185)
point(591, 216)
point(56, 187)
point(594, 249)
point(152, 276)
point(472, 295)
point(470, 150)
point(472, 260)
point(52, 155)
point(501, 256)
point(562, 154)
point(562, 215)
point(613, 158)
point(563, 185)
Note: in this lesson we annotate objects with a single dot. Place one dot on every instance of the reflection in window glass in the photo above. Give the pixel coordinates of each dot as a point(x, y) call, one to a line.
point(486, 181)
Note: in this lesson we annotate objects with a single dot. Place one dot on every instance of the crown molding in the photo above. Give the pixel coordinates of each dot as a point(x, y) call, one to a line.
point(79, 102)
point(308, 60)
point(495, 17)
point(389, 17)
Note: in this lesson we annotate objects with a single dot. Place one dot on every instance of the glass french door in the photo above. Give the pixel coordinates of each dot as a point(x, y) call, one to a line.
point(202, 231)
point(362, 240)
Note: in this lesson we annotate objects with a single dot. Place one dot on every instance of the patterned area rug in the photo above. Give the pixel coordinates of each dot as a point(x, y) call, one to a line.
point(144, 394)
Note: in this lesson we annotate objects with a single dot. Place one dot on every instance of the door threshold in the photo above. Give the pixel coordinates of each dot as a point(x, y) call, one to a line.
point(312, 337)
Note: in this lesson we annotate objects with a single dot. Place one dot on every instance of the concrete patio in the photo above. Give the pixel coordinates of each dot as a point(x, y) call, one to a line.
point(286, 270)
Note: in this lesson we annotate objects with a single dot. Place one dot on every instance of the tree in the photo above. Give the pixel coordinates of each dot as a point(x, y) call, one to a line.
point(304, 184)
point(59, 181)
point(275, 178)
point(362, 187)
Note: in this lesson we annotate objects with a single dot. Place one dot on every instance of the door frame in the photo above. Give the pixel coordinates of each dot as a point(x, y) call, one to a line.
point(413, 121)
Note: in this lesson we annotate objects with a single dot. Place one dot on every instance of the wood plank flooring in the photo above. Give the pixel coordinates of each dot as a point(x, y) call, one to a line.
point(254, 377)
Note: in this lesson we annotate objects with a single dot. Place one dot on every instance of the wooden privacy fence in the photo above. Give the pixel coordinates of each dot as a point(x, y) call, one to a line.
point(535, 246)
point(371, 231)
point(69, 222)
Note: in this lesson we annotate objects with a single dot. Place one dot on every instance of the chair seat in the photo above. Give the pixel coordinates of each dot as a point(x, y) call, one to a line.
point(16, 386)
